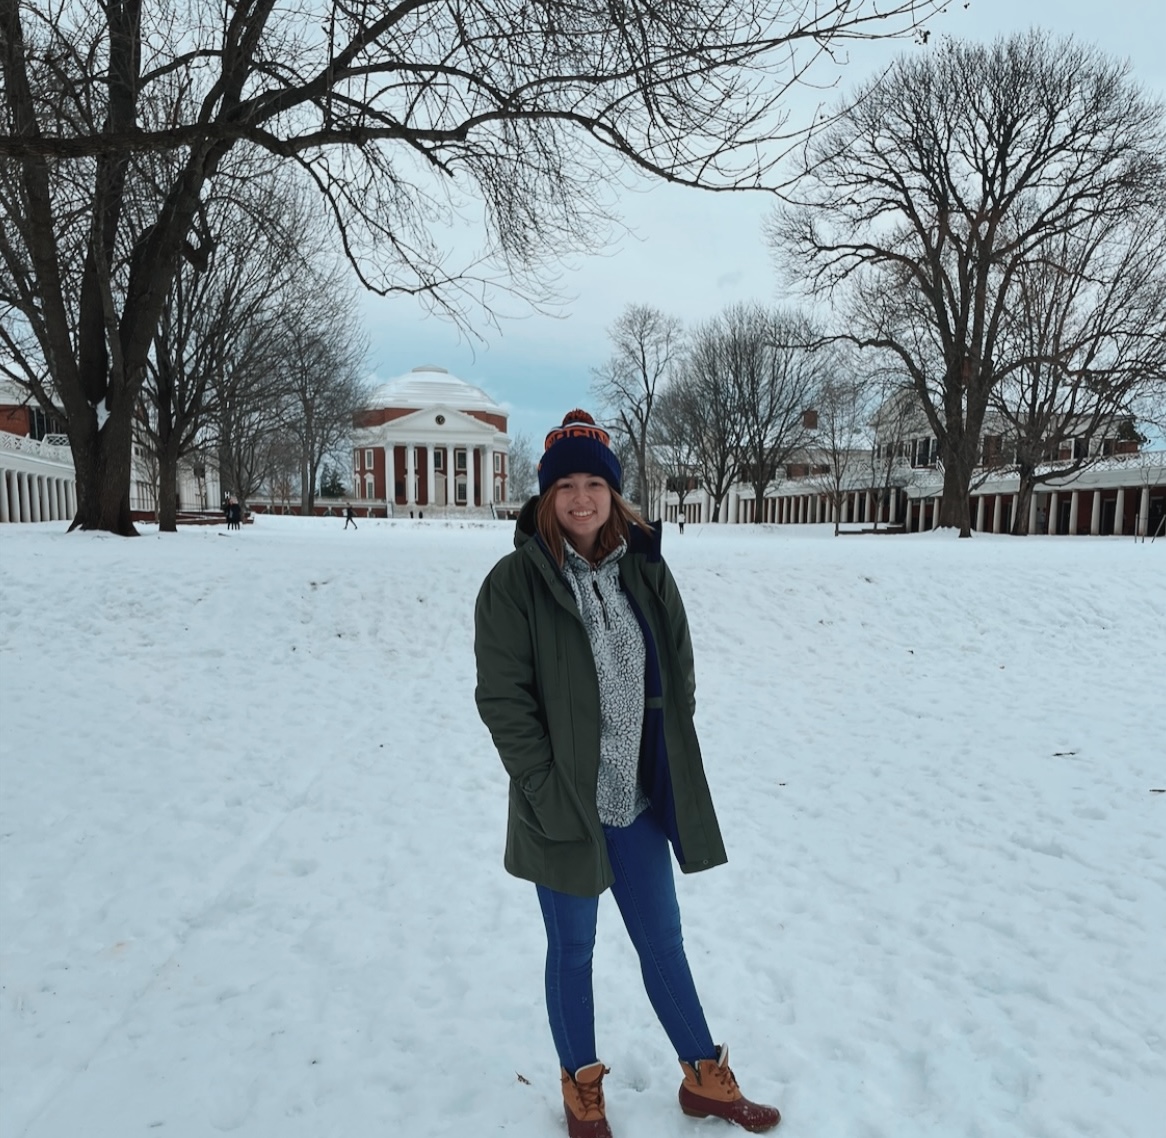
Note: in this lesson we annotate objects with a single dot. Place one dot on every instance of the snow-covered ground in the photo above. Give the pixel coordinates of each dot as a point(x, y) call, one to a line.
point(251, 836)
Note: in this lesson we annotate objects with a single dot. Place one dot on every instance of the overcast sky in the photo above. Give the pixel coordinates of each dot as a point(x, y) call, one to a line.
point(691, 253)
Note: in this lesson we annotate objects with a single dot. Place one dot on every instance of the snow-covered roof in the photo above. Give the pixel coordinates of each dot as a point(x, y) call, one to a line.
point(428, 385)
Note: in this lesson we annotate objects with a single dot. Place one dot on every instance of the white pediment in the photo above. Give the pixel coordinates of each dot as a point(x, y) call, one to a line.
point(434, 424)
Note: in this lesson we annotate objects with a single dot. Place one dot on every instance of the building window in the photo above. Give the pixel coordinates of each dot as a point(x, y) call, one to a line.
point(356, 460)
point(40, 424)
point(459, 460)
point(438, 460)
point(497, 463)
point(459, 493)
point(369, 487)
point(497, 491)
point(925, 452)
point(368, 459)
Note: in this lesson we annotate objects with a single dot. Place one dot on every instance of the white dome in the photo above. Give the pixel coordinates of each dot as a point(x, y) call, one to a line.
point(428, 385)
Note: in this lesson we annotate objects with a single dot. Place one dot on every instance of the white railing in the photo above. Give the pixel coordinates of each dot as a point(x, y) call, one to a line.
point(48, 448)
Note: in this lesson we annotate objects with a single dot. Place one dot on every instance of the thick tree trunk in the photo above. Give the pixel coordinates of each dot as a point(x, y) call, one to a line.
point(168, 491)
point(955, 507)
point(1023, 504)
point(102, 461)
point(759, 501)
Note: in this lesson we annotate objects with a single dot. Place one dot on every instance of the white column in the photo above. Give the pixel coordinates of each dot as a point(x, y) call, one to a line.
point(1032, 513)
point(1119, 511)
point(1054, 510)
point(980, 513)
point(410, 473)
point(1074, 510)
point(3, 496)
point(997, 513)
point(935, 504)
point(34, 492)
point(470, 480)
point(487, 475)
point(430, 475)
point(1144, 512)
point(731, 501)
point(1095, 514)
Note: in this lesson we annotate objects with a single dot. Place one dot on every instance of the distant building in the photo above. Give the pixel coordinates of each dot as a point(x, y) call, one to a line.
point(898, 483)
point(37, 482)
point(430, 441)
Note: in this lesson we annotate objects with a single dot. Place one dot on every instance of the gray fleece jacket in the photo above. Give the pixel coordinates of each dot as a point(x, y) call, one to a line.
point(617, 644)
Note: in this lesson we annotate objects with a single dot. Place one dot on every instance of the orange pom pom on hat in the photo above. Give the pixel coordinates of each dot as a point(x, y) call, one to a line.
point(578, 447)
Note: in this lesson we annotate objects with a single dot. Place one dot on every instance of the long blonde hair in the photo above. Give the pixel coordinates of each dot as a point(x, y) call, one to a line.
point(617, 528)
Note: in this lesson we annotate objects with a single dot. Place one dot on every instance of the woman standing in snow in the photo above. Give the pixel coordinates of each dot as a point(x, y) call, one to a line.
point(585, 681)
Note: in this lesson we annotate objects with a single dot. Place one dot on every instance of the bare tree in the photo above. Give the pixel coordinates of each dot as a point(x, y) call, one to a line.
point(674, 429)
point(895, 413)
point(646, 347)
point(777, 367)
point(250, 411)
point(324, 367)
point(522, 469)
point(708, 394)
point(536, 106)
point(283, 468)
point(839, 442)
point(262, 250)
point(1087, 338)
point(927, 197)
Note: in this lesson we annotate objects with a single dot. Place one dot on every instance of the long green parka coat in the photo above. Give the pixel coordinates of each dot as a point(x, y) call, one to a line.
point(538, 693)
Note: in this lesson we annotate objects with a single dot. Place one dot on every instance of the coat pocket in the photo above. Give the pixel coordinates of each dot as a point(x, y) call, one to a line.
point(546, 804)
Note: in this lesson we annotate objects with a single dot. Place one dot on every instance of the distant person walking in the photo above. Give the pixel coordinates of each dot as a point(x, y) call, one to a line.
point(349, 518)
point(680, 522)
point(585, 681)
point(234, 513)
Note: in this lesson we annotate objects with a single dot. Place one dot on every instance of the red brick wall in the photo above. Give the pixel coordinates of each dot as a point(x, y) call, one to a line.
point(380, 415)
point(14, 420)
point(498, 421)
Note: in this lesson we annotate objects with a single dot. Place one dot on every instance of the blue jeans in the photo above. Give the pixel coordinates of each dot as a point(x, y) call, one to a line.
point(646, 895)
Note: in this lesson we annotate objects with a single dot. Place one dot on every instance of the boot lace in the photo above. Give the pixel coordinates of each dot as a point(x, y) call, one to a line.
point(726, 1080)
point(591, 1098)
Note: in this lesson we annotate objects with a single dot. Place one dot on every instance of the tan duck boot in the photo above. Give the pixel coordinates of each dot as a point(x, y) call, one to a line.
point(583, 1102)
point(710, 1088)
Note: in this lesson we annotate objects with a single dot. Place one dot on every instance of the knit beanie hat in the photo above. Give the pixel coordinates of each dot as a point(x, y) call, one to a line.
point(578, 447)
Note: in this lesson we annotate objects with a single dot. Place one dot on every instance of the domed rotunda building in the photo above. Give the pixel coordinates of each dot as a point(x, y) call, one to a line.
point(428, 440)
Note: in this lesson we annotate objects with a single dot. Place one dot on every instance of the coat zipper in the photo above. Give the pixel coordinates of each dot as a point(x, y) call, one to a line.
point(602, 602)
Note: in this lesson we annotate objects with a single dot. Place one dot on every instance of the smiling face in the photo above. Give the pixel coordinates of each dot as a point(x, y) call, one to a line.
point(582, 507)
